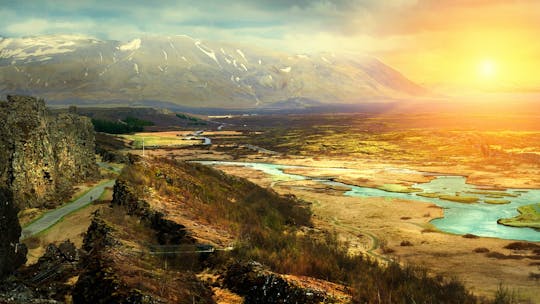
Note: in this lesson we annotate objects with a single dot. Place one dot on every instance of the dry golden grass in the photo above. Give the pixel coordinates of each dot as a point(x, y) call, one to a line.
point(72, 227)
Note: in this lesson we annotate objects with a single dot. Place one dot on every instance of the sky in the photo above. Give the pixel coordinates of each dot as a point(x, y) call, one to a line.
point(478, 45)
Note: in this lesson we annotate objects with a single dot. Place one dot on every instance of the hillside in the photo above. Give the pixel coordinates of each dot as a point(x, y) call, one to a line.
point(253, 245)
point(181, 70)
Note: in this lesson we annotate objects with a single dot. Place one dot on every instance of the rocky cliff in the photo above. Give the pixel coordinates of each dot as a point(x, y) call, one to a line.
point(12, 254)
point(43, 155)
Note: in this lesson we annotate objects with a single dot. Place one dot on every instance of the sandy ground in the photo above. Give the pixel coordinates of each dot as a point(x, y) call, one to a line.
point(368, 223)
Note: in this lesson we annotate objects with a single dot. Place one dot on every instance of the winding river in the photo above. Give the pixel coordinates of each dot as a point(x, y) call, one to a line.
point(459, 218)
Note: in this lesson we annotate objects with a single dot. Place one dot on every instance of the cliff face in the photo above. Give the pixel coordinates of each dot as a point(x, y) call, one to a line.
point(43, 155)
point(12, 253)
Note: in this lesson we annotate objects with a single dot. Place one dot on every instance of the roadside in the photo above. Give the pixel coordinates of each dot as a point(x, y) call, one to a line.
point(52, 217)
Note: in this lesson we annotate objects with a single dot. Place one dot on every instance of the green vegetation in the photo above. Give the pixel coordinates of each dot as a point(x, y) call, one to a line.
point(496, 202)
point(194, 121)
point(529, 216)
point(493, 194)
point(398, 188)
point(459, 198)
point(154, 140)
point(429, 194)
point(128, 125)
point(453, 198)
point(274, 230)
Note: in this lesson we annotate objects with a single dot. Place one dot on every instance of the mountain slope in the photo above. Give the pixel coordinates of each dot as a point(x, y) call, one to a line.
point(185, 71)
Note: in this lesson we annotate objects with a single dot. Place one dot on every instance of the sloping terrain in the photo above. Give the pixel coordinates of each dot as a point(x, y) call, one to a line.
point(181, 70)
point(237, 227)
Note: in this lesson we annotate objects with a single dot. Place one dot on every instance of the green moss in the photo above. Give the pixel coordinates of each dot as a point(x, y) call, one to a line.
point(496, 202)
point(459, 198)
point(493, 194)
point(429, 194)
point(398, 188)
point(529, 216)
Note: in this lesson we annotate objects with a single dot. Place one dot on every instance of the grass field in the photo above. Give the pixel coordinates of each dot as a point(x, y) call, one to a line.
point(529, 216)
point(159, 139)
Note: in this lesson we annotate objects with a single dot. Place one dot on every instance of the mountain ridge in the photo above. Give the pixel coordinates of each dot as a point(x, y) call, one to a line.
point(186, 71)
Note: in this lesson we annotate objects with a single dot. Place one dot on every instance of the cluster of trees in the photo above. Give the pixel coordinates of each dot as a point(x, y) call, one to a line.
point(128, 125)
point(194, 121)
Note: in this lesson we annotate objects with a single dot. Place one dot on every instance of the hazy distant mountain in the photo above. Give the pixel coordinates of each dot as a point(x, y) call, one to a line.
point(186, 71)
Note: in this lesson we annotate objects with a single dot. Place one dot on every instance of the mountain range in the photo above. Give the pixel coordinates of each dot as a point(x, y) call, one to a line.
point(184, 71)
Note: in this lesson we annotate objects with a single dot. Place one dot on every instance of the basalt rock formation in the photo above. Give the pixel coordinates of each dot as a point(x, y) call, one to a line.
point(12, 253)
point(43, 155)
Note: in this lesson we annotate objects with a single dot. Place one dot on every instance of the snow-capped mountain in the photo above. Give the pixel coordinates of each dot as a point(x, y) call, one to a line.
point(185, 71)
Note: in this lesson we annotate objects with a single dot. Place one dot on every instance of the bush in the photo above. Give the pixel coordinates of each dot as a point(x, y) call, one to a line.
point(504, 296)
point(481, 250)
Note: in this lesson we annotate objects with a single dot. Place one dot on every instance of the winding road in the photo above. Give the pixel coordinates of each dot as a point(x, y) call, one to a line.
point(52, 217)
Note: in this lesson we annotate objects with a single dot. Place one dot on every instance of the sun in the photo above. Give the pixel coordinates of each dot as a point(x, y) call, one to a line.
point(487, 69)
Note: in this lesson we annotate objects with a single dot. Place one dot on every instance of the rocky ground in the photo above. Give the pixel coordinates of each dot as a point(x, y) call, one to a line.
point(43, 155)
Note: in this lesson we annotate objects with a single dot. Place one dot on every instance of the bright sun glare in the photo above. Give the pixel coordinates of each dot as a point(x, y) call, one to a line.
point(487, 69)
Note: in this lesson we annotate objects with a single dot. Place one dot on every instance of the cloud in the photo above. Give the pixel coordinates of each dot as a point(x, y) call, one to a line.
point(339, 16)
point(40, 26)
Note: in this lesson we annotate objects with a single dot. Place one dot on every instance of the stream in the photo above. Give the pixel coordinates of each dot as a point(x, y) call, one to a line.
point(459, 218)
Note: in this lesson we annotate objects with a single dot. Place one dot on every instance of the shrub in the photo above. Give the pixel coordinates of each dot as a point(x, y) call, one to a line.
point(504, 296)
point(481, 250)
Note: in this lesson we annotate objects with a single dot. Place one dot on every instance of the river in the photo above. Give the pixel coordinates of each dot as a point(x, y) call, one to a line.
point(459, 218)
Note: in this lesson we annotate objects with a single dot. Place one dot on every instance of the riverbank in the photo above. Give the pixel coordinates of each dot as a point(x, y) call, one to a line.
point(403, 229)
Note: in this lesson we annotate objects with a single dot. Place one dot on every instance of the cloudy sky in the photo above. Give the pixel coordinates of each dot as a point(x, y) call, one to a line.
point(475, 43)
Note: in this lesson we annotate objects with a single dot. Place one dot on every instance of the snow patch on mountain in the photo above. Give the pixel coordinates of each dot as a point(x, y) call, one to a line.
point(241, 54)
point(286, 69)
point(133, 45)
point(209, 52)
point(325, 60)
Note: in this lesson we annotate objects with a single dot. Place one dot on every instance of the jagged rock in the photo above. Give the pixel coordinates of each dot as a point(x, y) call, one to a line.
point(12, 253)
point(98, 283)
point(258, 285)
point(168, 232)
point(65, 252)
point(42, 154)
point(98, 235)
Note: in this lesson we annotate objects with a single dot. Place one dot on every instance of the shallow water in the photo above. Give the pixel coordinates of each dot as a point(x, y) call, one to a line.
point(459, 218)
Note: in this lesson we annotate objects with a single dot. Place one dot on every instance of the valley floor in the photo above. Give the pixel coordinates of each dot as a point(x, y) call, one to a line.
point(400, 229)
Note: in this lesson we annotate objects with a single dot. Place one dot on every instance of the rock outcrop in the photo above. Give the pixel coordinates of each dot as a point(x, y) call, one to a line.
point(167, 231)
point(12, 253)
point(43, 155)
point(258, 285)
